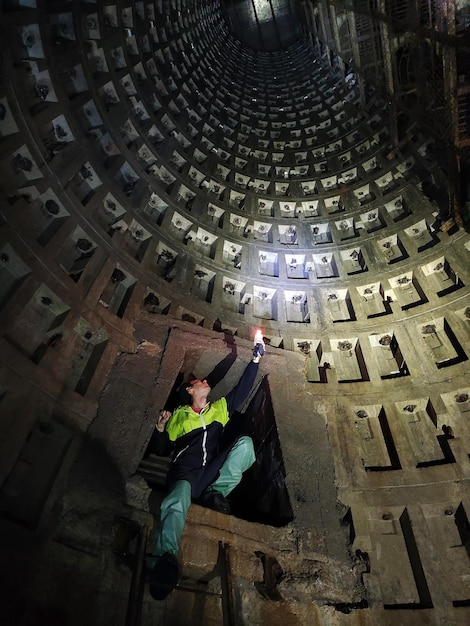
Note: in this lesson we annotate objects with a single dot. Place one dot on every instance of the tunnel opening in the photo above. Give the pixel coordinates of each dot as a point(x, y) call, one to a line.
point(262, 495)
point(263, 25)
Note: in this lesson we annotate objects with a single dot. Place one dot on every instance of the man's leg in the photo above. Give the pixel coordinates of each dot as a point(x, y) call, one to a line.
point(239, 459)
point(173, 514)
point(165, 568)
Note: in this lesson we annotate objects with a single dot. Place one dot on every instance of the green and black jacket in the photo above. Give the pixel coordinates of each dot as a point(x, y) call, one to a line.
point(193, 439)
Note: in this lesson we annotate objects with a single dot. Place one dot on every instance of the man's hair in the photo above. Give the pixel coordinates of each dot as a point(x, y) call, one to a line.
point(184, 396)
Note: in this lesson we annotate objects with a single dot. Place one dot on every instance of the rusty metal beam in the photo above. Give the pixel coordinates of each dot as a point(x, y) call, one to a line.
point(449, 59)
point(335, 29)
point(356, 55)
point(136, 591)
point(390, 77)
point(227, 585)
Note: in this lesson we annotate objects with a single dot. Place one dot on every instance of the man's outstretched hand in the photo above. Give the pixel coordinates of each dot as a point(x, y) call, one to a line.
point(163, 417)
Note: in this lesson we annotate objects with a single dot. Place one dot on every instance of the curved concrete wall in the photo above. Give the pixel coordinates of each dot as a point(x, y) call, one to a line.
point(153, 169)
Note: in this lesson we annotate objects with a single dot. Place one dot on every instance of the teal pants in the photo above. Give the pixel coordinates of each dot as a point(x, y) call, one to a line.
point(174, 508)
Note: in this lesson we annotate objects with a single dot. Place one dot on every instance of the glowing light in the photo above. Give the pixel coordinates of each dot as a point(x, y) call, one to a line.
point(258, 335)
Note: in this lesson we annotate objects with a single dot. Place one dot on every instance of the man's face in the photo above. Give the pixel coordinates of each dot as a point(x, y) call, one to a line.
point(197, 383)
point(197, 388)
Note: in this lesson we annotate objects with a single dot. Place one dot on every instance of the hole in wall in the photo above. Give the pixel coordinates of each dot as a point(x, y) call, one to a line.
point(262, 495)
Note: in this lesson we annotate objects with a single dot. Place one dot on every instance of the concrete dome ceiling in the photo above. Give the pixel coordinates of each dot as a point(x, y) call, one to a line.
point(175, 174)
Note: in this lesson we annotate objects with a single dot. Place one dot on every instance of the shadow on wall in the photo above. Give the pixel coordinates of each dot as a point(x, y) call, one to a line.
point(59, 559)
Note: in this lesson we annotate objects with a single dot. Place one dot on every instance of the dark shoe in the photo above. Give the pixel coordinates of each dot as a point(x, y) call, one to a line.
point(214, 500)
point(164, 576)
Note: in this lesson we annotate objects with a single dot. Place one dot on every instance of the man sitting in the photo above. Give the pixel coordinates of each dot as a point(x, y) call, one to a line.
point(199, 470)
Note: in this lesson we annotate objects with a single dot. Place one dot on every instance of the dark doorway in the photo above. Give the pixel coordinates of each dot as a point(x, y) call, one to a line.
point(262, 495)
